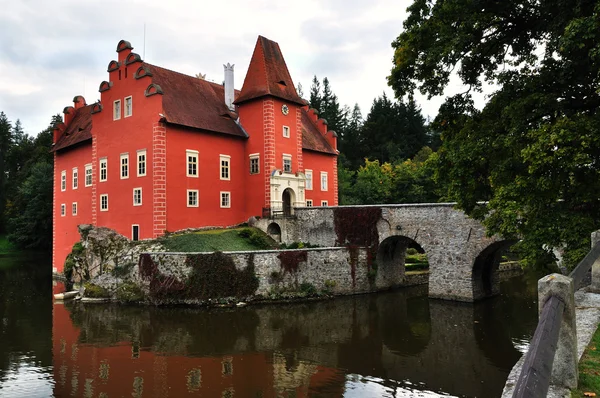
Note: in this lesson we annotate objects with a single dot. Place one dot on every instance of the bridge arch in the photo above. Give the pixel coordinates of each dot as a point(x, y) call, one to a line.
point(274, 230)
point(484, 274)
point(391, 259)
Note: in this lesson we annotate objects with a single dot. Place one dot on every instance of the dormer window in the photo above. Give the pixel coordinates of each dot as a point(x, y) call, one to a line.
point(117, 110)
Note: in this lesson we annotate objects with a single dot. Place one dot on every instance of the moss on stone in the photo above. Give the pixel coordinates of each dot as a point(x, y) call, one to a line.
point(94, 291)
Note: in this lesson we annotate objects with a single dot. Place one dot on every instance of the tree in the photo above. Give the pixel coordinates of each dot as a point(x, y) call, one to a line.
point(5, 144)
point(533, 151)
point(315, 94)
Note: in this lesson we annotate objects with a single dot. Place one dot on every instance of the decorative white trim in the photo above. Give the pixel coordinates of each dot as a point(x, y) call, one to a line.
point(187, 200)
point(75, 178)
point(324, 182)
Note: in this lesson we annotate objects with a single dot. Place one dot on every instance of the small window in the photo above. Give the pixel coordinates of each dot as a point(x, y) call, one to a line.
point(323, 181)
point(287, 163)
point(254, 163)
point(227, 363)
point(309, 179)
point(63, 180)
point(63, 210)
point(117, 110)
point(192, 163)
point(74, 208)
point(309, 203)
point(128, 103)
point(141, 163)
point(75, 177)
point(225, 200)
point(324, 203)
point(103, 169)
point(225, 167)
point(192, 198)
point(124, 166)
point(137, 196)
point(135, 233)
point(104, 202)
point(88, 175)
point(286, 131)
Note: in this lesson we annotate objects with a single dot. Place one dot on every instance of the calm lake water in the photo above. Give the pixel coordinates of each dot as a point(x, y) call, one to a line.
point(395, 344)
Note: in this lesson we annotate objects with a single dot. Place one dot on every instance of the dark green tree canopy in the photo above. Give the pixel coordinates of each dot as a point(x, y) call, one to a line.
point(533, 151)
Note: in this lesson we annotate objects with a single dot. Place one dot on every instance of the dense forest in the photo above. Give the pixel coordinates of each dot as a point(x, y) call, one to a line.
point(26, 174)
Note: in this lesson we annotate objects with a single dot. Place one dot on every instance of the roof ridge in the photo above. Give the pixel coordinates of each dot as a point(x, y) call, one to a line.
point(186, 75)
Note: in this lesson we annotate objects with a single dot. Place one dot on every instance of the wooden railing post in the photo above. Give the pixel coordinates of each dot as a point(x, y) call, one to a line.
point(564, 369)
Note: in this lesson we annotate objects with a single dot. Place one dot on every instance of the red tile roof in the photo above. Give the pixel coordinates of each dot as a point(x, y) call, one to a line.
point(312, 138)
point(79, 130)
point(193, 102)
point(268, 75)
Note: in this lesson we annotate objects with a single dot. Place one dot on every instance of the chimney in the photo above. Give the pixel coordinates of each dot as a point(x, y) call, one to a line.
point(229, 91)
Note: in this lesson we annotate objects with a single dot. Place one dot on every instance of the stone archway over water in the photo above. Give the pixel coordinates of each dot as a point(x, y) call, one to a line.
point(484, 275)
point(391, 260)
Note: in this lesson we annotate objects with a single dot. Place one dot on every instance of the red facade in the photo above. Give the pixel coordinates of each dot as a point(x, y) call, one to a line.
point(163, 151)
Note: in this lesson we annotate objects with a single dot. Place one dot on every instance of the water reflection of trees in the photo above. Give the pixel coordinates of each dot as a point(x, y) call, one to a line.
point(25, 310)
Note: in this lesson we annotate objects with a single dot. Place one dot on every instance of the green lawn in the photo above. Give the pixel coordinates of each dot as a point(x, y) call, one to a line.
point(589, 369)
point(237, 239)
point(6, 246)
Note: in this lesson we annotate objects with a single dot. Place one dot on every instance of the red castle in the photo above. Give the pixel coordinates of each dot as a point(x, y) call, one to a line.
point(163, 151)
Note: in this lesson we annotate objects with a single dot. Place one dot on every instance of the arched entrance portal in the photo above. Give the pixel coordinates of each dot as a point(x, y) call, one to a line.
point(393, 255)
point(288, 198)
point(485, 276)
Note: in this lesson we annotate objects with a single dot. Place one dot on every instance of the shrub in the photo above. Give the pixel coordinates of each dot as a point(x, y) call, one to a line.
point(411, 251)
point(129, 292)
point(308, 288)
point(94, 291)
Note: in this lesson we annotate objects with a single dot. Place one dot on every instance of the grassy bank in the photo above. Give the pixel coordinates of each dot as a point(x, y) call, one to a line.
point(236, 239)
point(5, 246)
point(589, 369)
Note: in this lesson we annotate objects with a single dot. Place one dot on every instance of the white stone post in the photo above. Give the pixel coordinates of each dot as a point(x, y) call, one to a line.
point(564, 368)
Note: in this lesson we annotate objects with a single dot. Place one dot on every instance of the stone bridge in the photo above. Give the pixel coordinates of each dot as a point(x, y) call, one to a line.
point(462, 259)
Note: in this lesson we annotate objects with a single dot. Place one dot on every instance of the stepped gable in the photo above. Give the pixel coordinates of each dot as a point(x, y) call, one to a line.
point(79, 130)
point(268, 75)
point(312, 139)
point(192, 102)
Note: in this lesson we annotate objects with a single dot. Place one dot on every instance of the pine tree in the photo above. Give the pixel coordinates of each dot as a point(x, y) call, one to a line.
point(315, 95)
point(5, 144)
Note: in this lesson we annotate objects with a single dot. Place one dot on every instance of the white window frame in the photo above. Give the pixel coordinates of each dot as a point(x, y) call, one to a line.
point(88, 168)
point(309, 179)
point(309, 203)
point(324, 187)
point(255, 156)
point(286, 132)
point(63, 180)
point(75, 181)
point(194, 154)
point(103, 161)
point(117, 109)
point(125, 114)
point(63, 210)
point(223, 195)
point(145, 162)
point(134, 196)
point(102, 208)
point(225, 158)
point(74, 208)
point(286, 156)
point(125, 157)
point(188, 197)
point(324, 203)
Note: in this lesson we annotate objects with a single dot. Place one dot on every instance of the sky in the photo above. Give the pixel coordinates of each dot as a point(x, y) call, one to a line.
point(51, 51)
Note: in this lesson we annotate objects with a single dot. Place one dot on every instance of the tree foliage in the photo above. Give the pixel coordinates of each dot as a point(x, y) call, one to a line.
point(533, 151)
